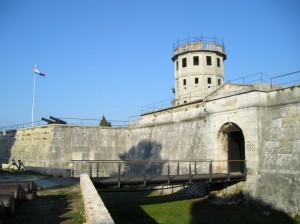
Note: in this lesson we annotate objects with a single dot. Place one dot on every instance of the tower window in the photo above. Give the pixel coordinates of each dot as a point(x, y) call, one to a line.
point(208, 60)
point(176, 65)
point(184, 62)
point(218, 62)
point(184, 82)
point(196, 60)
point(196, 80)
point(219, 82)
point(208, 80)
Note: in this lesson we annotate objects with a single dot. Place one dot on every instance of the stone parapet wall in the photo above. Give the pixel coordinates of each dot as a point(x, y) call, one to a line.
point(51, 148)
point(95, 210)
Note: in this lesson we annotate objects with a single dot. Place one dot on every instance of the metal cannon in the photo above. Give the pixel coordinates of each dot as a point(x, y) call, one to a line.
point(48, 121)
point(54, 120)
point(57, 120)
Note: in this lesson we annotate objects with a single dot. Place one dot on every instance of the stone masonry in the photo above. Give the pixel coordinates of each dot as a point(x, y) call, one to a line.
point(267, 118)
point(95, 210)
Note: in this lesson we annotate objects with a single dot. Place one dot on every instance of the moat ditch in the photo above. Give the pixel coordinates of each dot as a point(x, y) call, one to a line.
point(151, 207)
point(63, 204)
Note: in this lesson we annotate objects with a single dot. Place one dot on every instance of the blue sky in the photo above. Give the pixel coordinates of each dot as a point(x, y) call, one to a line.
point(113, 57)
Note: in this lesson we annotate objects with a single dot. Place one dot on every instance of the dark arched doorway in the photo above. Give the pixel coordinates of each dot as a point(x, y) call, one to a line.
point(235, 146)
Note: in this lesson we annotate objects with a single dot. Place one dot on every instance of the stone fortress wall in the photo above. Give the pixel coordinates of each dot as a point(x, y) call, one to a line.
point(268, 120)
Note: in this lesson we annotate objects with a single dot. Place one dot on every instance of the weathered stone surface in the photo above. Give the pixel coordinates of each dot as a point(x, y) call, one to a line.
point(269, 120)
point(95, 210)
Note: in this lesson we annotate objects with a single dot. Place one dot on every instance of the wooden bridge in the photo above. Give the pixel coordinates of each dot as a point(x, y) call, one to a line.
point(119, 173)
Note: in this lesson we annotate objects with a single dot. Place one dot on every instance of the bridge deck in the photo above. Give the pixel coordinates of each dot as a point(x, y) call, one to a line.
point(165, 179)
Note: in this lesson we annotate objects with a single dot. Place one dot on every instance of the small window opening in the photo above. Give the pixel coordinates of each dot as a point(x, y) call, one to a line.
point(184, 82)
point(208, 80)
point(208, 60)
point(196, 60)
point(218, 62)
point(196, 80)
point(176, 65)
point(219, 82)
point(184, 62)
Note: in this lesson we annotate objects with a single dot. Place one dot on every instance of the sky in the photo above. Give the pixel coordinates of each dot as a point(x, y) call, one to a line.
point(113, 57)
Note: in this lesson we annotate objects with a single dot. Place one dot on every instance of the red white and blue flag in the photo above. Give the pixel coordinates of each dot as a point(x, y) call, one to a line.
point(37, 72)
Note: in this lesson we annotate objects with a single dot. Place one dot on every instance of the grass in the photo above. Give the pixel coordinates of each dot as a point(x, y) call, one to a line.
point(170, 212)
point(152, 208)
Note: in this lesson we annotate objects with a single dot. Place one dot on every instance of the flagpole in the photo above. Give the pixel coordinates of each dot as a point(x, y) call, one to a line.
point(33, 92)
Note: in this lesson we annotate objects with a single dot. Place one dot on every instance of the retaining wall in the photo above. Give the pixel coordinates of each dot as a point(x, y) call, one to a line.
point(95, 210)
point(279, 152)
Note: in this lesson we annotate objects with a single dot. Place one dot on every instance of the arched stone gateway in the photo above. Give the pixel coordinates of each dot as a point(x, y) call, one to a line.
point(233, 142)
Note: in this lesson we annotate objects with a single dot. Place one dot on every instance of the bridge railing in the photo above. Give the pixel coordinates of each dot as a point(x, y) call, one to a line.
point(150, 168)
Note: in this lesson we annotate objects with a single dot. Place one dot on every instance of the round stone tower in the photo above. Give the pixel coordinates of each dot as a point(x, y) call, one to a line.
point(199, 68)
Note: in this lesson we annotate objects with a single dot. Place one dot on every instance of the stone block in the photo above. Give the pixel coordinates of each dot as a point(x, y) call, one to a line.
point(77, 156)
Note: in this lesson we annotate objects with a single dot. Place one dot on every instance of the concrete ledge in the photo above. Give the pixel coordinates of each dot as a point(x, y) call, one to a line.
point(95, 210)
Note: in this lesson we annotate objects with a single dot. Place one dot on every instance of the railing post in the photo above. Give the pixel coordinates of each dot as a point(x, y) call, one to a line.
point(178, 168)
point(73, 170)
point(91, 170)
point(97, 169)
point(228, 170)
point(119, 175)
point(145, 175)
point(169, 180)
point(210, 171)
point(271, 80)
point(195, 168)
point(80, 169)
point(190, 173)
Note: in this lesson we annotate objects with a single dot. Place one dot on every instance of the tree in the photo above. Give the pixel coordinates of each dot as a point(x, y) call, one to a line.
point(104, 122)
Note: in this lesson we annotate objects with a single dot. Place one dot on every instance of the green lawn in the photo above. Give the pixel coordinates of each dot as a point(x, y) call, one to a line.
point(149, 207)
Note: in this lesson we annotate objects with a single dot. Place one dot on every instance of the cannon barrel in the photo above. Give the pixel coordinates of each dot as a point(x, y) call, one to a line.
point(48, 121)
point(57, 120)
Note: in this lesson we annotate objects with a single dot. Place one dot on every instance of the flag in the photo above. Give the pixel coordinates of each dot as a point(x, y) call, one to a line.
point(37, 72)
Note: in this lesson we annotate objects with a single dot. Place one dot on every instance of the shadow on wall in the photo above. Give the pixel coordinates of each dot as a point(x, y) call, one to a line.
point(144, 150)
point(7, 140)
point(122, 210)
